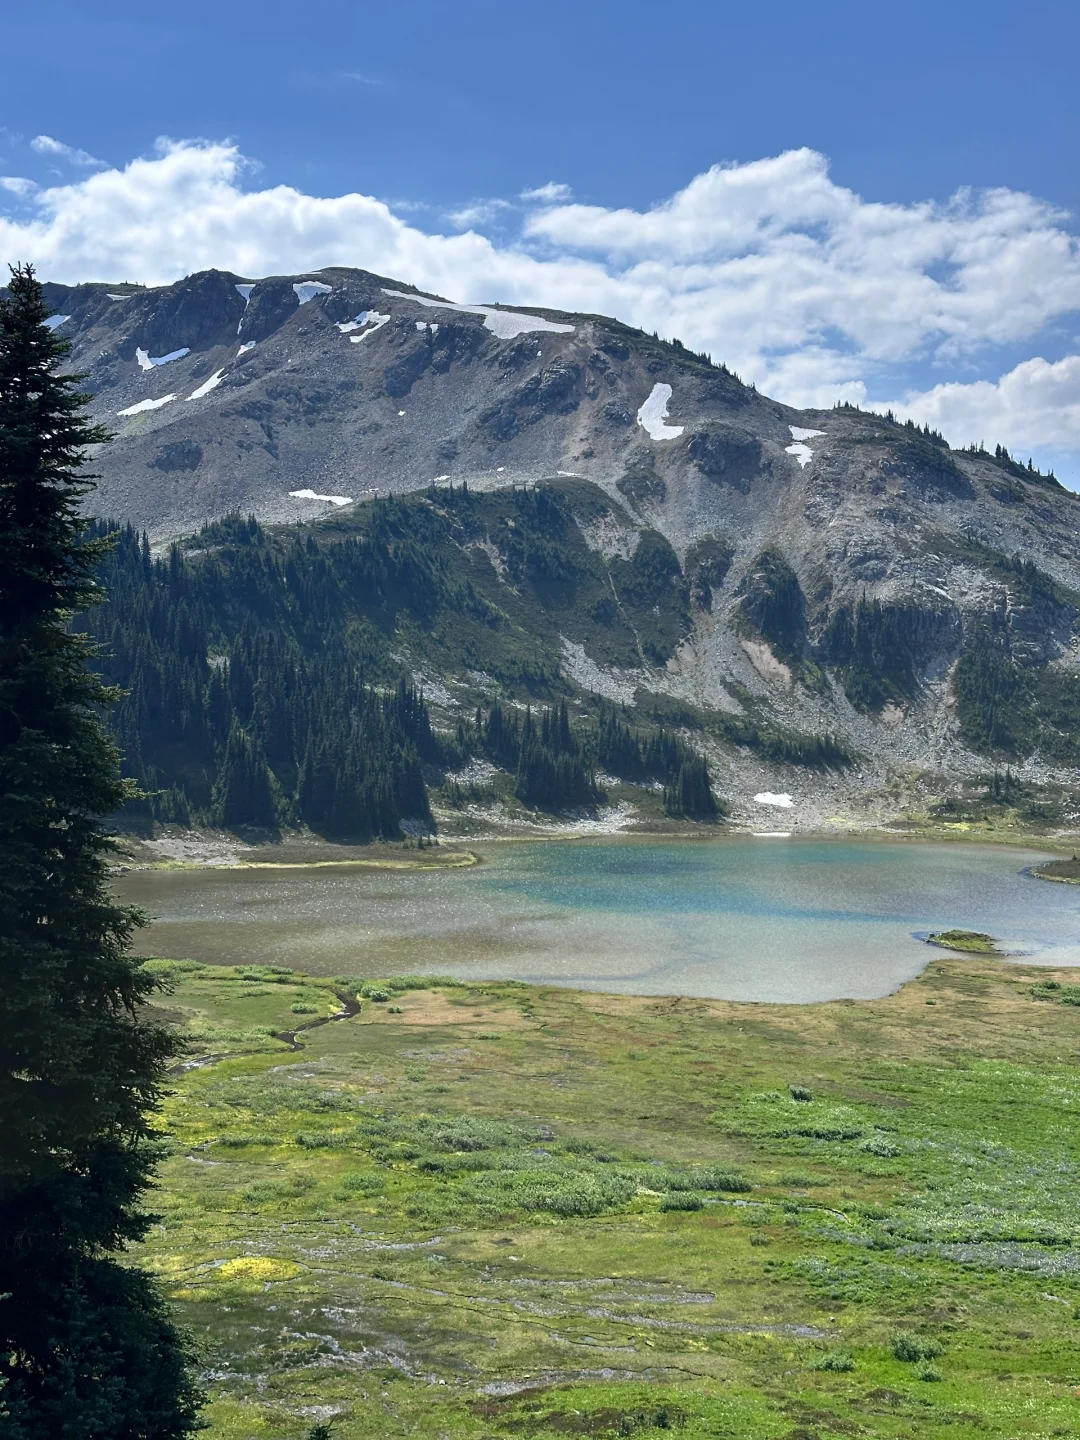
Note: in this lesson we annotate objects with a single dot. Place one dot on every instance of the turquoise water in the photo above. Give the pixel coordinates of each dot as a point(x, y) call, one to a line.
point(736, 918)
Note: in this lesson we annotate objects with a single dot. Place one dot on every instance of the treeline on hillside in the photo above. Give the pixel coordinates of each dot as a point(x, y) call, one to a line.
point(254, 694)
point(556, 767)
point(232, 717)
point(1009, 709)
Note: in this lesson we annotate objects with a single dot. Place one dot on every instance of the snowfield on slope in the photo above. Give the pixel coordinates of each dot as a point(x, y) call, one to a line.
point(653, 414)
point(802, 452)
point(151, 362)
point(307, 290)
point(146, 405)
point(504, 324)
point(207, 385)
point(311, 495)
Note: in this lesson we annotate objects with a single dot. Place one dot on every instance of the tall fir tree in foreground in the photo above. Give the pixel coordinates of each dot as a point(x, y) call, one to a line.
point(87, 1348)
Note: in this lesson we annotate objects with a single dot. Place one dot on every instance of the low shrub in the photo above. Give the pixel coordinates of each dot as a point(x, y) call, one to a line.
point(362, 1184)
point(681, 1200)
point(323, 1140)
point(838, 1360)
point(913, 1348)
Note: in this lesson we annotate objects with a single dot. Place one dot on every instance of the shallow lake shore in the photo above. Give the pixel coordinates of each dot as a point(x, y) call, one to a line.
point(733, 916)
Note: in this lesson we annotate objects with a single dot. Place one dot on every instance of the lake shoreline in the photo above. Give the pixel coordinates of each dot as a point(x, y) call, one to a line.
point(205, 849)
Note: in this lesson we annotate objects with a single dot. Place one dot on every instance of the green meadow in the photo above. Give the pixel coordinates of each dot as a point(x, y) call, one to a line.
point(500, 1210)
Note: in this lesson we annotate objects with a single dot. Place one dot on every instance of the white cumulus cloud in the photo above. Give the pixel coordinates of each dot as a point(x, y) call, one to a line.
point(1034, 406)
point(798, 283)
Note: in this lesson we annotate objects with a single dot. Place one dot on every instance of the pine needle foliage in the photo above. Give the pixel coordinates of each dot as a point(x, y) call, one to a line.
point(87, 1348)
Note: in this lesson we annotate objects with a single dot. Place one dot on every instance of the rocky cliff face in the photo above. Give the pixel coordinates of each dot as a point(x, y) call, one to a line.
point(842, 573)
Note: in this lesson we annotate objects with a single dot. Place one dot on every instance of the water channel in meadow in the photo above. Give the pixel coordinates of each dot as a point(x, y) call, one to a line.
point(736, 917)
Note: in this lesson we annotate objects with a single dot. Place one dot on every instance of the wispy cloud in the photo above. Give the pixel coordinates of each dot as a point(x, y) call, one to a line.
point(552, 193)
point(795, 281)
point(478, 212)
point(57, 150)
point(18, 185)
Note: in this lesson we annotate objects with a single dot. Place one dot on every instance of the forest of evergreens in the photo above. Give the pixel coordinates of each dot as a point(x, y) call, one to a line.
point(257, 691)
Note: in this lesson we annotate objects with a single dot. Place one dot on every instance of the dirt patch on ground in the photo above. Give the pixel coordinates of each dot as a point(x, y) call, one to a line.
point(439, 1009)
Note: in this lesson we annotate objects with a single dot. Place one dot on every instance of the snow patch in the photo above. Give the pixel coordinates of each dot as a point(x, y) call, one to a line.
point(781, 802)
point(55, 321)
point(207, 386)
point(245, 291)
point(798, 433)
point(146, 405)
point(653, 413)
point(803, 454)
point(504, 324)
point(367, 322)
point(248, 345)
point(150, 362)
point(311, 495)
point(116, 297)
point(308, 289)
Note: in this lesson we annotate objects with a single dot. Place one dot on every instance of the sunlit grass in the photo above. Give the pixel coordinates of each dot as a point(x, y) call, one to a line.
point(503, 1210)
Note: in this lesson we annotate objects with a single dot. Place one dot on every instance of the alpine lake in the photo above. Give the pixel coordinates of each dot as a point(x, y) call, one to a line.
point(616, 1136)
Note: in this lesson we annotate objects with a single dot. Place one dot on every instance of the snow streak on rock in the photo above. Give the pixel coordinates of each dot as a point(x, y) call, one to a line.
point(803, 454)
point(146, 405)
point(369, 321)
point(207, 386)
point(311, 495)
point(505, 324)
point(150, 362)
point(307, 290)
point(653, 413)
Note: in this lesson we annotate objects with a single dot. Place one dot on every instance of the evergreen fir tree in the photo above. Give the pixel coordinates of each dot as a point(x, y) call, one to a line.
point(243, 794)
point(87, 1348)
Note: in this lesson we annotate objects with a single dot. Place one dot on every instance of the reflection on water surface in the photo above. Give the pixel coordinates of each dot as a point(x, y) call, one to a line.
point(737, 918)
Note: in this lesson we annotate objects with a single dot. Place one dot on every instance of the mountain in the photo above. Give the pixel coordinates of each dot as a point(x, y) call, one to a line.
point(704, 552)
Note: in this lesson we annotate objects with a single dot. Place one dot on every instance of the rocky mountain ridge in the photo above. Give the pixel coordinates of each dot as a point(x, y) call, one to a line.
point(840, 572)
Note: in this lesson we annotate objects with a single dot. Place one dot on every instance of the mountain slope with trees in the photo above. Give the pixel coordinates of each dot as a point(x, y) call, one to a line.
point(826, 578)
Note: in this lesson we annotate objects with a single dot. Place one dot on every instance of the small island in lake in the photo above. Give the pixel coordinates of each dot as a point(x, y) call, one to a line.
point(968, 942)
point(1066, 871)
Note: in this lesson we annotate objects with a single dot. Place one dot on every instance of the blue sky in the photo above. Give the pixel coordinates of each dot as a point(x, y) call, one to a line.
point(447, 115)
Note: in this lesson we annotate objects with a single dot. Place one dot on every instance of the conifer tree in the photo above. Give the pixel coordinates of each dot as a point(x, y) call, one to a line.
point(87, 1348)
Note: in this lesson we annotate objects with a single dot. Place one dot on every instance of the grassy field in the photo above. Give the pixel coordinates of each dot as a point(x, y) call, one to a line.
point(499, 1210)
